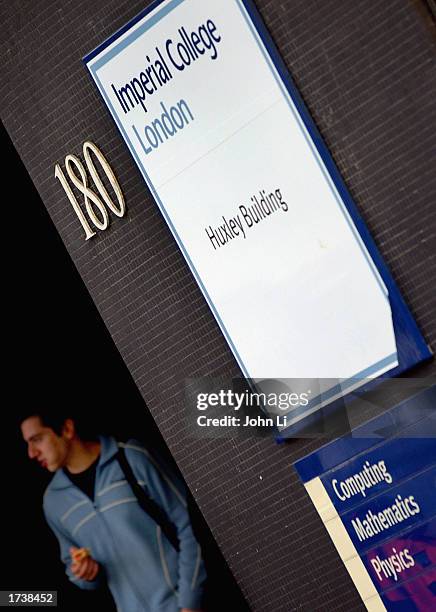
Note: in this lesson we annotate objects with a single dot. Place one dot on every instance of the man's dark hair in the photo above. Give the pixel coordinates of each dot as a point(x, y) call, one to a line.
point(54, 418)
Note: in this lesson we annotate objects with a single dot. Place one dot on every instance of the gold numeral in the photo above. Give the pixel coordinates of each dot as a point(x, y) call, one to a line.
point(94, 204)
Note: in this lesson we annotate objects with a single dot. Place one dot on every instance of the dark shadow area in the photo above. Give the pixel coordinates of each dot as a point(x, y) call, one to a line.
point(60, 351)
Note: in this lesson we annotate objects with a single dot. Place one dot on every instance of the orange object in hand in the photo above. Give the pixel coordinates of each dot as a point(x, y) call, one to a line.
point(79, 554)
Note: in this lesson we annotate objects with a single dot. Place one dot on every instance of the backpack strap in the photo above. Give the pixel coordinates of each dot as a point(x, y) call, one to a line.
point(147, 504)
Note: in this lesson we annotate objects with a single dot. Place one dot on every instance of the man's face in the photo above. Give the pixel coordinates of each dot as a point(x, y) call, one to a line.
point(44, 445)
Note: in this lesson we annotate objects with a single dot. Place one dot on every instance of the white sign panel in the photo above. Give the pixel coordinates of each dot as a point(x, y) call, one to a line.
point(223, 148)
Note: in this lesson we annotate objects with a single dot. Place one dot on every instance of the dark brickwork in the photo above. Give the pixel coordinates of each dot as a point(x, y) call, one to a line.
point(366, 70)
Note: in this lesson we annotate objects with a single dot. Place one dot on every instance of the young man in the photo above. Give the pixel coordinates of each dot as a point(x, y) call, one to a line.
point(103, 532)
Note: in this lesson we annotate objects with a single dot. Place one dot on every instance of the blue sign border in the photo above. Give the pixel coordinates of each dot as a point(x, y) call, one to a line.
point(411, 346)
point(393, 424)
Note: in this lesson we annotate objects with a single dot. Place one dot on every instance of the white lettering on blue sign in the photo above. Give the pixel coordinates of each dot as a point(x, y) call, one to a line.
point(369, 476)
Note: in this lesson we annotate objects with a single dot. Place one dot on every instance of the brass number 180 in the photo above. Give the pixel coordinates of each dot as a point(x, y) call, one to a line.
point(95, 204)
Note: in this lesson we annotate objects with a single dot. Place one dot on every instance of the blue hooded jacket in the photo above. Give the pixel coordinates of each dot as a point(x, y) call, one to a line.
point(143, 571)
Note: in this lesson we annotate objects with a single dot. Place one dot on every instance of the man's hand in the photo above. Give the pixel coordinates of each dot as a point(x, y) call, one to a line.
point(190, 610)
point(84, 569)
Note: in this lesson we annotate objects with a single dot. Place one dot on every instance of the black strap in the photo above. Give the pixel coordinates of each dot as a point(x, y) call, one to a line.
point(147, 504)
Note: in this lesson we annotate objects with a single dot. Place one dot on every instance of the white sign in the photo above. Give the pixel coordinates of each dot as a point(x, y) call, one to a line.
point(223, 148)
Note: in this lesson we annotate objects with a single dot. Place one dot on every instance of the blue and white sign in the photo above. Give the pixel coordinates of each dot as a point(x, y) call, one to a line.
point(377, 499)
point(252, 196)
